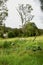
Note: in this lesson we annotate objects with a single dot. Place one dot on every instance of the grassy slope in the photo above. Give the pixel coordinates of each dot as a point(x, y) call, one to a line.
point(29, 38)
point(21, 53)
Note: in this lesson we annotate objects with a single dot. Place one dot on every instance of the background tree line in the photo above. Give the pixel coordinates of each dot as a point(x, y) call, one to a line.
point(28, 30)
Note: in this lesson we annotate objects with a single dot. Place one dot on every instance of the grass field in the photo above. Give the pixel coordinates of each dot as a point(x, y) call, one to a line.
point(21, 51)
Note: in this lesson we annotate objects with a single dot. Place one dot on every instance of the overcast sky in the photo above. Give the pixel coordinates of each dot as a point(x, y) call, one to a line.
point(13, 20)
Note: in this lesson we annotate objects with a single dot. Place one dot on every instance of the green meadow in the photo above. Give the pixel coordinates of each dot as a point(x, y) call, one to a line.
point(21, 51)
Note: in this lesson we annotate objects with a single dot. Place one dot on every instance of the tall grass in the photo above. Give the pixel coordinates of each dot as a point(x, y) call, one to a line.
point(21, 52)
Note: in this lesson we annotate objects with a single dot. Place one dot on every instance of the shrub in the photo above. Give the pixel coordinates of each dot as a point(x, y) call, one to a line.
point(10, 34)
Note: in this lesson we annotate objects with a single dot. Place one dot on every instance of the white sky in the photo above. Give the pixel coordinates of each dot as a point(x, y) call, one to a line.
point(13, 19)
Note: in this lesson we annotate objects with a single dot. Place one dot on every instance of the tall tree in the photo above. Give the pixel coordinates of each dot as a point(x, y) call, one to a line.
point(3, 11)
point(25, 13)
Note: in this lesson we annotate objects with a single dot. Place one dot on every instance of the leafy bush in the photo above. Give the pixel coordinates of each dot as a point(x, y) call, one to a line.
point(10, 34)
point(30, 29)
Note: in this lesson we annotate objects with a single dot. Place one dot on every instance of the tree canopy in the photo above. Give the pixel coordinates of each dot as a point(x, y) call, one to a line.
point(24, 11)
point(3, 11)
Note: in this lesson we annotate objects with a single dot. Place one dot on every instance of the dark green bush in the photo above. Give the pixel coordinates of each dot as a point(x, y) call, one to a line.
point(10, 34)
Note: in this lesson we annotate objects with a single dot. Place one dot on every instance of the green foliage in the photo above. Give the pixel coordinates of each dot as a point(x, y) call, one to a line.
point(21, 52)
point(16, 32)
point(6, 44)
point(10, 34)
point(30, 29)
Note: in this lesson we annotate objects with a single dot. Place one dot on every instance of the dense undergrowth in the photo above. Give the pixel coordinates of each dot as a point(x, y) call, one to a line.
point(21, 52)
